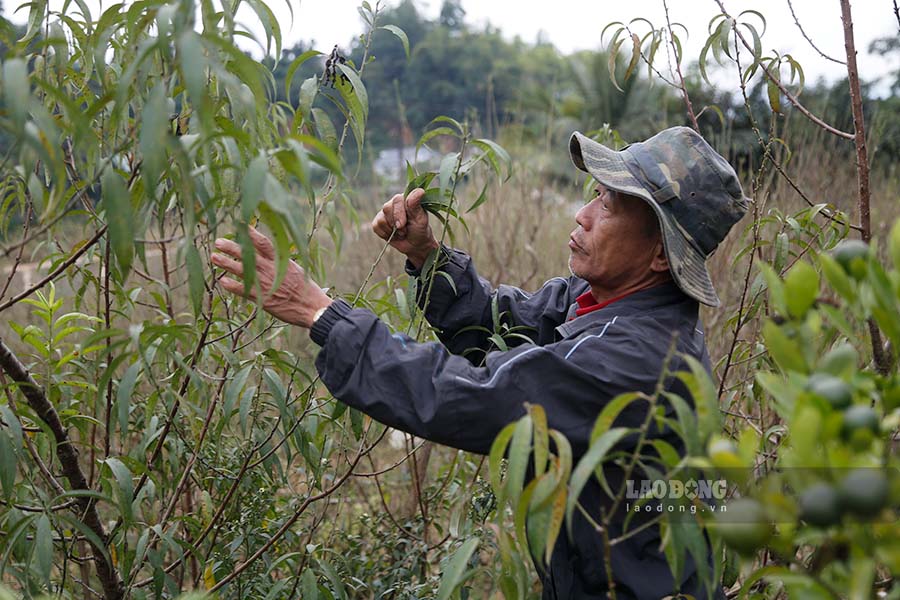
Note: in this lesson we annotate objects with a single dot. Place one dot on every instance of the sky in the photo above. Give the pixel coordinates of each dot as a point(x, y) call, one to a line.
point(576, 25)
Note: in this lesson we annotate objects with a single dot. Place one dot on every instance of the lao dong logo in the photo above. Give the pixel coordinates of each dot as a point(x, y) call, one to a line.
point(675, 489)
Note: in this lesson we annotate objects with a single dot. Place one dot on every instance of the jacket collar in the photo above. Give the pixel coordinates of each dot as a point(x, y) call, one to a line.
point(666, 294)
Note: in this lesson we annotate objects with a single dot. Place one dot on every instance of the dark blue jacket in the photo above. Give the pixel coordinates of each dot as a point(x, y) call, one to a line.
point(572, 368)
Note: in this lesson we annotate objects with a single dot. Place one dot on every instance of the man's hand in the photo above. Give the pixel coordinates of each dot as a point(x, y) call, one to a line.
point(413, 236)
point(296, 300)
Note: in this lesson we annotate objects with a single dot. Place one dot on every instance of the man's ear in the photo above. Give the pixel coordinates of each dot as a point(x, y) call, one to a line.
point(660, 263)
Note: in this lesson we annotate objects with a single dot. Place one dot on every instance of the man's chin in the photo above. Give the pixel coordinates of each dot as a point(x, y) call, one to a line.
point(572, 268)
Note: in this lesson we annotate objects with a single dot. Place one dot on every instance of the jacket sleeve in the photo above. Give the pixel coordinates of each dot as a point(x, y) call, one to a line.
point(423, 389)
point(460, 299)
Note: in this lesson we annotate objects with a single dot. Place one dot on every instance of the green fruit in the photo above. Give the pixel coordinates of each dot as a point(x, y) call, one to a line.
point(835, 390)
point(743, 525)
point(864, 492)
point(852, 255)
point(861, 417)
point(860, 426)
point(820, 505)
point(840, 360)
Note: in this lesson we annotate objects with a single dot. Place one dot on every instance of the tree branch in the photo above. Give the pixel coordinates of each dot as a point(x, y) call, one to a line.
point(787, 94)
point(68, 458)
point(684, 93)
point(53, 274)
point(862, 166)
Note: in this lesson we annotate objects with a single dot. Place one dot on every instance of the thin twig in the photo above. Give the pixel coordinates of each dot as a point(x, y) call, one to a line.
point(684, 93)
point(787, 94)
point(807, 38)
point(56, 272)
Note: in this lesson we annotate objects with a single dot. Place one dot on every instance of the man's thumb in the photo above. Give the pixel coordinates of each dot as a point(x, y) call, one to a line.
point(414, 208)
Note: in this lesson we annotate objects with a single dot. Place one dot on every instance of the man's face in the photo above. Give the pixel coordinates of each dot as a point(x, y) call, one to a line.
point(617, 242)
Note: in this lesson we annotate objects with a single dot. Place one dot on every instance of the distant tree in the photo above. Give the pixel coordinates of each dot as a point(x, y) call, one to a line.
point(452, 15)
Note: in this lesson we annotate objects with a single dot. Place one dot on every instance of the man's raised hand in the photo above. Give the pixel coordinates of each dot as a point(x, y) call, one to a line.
point(413, 237)
point(295, 301)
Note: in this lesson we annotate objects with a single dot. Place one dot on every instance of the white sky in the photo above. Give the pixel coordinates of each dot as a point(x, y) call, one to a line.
point(576, 24)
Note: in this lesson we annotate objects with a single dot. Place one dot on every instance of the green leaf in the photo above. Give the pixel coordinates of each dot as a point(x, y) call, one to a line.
point(481, 199)
point(783, 350)
point(309, 588)
point(324, 127)
point(777, 296)
point(519, 453)
point(154, 131)
point(557, 512)
point(496, 155)
point(43, 548)
point(16, 90)
point(308, 90)
point(125, 489)
point(587, 465)
point(894, 244)
point(233, 388)
point(635, 56)
point(119, 219)
point(446, 171)
point(192, 59)
point(706, 401)
point(8, 463)
point(611, 60)
point(837, 278)
point(124, 393)
point(541, 438)
point(772, 89)
point(401, 35)
point(801, 286)
point(495, 459)
point(609, 413)
point(13, 427)
point(455, 572)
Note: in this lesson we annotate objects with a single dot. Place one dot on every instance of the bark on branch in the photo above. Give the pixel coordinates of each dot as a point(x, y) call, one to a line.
point(68, 459)
point(862, 165)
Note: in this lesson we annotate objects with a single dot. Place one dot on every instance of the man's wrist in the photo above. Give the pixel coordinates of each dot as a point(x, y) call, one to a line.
point(333, 313)
point(418, 258)
point(318, 314)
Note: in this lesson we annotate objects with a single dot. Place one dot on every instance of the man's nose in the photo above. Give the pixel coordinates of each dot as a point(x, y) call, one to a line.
point(580, 216)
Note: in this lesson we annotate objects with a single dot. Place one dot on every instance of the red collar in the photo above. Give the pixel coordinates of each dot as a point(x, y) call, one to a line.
point(587, 303)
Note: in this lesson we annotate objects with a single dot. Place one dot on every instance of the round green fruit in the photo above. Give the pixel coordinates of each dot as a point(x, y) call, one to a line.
point(744, 526)
point(852, 255)
point(835, 390)
point(820, 505)
point(864, 492)
point(861, 417)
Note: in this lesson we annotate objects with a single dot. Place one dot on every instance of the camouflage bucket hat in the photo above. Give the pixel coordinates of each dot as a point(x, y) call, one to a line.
point(694, 192)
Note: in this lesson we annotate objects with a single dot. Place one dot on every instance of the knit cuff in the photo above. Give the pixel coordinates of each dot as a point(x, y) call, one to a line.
point(338, 310)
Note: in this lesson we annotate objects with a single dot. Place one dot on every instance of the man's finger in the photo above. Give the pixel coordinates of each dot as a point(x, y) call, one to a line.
point(388, 211)
point(229, 247)
point(236, 287)
point(380, 227)
point(262, 244)
point(399, 209)
point(414, 202)
point(235, 267)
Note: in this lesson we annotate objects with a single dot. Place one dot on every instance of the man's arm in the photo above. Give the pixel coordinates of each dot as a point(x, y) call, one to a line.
point(423, 389)
point(460, 299)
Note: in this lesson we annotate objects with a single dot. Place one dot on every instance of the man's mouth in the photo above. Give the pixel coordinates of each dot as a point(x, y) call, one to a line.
point(573, 245)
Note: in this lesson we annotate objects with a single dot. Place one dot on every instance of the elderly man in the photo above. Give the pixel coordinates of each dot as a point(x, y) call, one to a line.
point(638, 273)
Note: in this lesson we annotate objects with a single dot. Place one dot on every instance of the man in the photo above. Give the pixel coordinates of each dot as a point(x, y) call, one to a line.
point(638, 272)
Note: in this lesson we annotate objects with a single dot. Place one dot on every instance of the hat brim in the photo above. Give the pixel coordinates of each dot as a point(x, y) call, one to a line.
point(686, 263)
